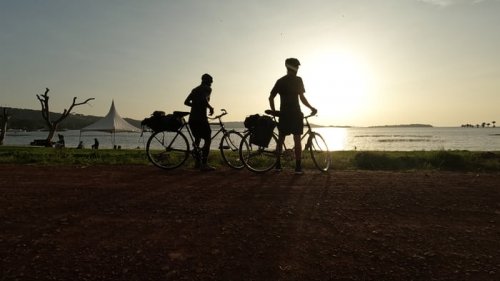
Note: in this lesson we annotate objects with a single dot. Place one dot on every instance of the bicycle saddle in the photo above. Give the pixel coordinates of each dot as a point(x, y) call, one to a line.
point(275, 113)
point(180, 114)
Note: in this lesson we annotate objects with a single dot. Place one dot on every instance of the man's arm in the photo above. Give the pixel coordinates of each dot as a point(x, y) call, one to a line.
point(188, 101)
point(207, 103)
point(304, 100)
point(210, 108)
point(272, 95)
point(271, 102)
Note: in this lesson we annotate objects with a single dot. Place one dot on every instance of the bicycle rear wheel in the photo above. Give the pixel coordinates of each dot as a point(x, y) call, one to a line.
point(319, 152)
point(167, 150)
point(229, 149)
point(256, 158)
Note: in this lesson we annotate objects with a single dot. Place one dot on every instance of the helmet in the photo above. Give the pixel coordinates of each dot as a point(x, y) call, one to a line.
point(206, 78)
point(293, 62)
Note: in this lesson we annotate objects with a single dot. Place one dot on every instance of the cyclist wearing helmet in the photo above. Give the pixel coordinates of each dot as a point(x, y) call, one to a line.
point(291, 89)
point(198, 100)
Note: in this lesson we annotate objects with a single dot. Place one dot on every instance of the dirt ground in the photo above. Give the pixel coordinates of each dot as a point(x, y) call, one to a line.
point(143, 223)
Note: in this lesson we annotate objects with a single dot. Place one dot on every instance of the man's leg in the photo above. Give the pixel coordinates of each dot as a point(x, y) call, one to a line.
point(195, 129)
point(279, 149)
point(298, 153)
point(205, 150)
point(197, 160)
point(207, 140)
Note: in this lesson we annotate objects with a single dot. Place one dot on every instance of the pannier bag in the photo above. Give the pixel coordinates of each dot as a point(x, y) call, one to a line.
point(161, 122)
point(251, 121)
point(262, 131)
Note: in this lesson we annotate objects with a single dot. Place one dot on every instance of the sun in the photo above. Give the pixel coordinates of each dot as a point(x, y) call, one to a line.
point(338, 83)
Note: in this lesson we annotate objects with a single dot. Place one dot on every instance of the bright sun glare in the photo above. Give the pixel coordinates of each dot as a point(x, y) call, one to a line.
point(338, 83)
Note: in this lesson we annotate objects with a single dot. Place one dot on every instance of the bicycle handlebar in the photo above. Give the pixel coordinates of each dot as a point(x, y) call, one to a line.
point(312, 114)
point(224, 112)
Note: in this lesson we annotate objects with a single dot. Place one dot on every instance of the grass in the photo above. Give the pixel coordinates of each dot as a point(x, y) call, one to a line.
point(341, 160)
point(70, 156)
point(427, 160)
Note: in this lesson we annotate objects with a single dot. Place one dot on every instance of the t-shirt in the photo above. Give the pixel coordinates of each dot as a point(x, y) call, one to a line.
point(199, 97)
point(289, 87)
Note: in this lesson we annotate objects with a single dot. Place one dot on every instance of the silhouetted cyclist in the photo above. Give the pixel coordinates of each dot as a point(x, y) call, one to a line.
point(290, 88)
point(198, 100)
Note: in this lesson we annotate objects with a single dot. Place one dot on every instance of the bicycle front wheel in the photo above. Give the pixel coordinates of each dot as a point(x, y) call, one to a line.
point(256, 158)
point(319, 152)
point(167, 150)
point(229, 149)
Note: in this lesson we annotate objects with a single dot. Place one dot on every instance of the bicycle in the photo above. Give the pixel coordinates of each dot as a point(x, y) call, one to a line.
point(170, 149)
point(261, 159)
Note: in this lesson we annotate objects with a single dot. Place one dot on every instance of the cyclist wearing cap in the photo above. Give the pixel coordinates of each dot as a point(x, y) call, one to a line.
point(198, 100)
point(291, 89)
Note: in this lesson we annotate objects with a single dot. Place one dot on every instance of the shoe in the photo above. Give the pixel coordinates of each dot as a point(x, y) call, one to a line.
point(298, 171)
point(206, 168)
point(278, 168)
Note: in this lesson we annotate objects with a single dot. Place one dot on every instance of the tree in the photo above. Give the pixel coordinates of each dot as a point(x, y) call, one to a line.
point(4, 119)
point(493, 122)
point(44, 102)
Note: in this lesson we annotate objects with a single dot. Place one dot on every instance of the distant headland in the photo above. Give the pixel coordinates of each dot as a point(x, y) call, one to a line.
point(404, 126)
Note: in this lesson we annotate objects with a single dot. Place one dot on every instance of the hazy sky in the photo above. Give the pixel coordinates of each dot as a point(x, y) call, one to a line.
point(364, 63)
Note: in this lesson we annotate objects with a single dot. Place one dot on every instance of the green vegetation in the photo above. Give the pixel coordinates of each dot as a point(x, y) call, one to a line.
point(341, 160)
point(70, 156)
point(426, 160)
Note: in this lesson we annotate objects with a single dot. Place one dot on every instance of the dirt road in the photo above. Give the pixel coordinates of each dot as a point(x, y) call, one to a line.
point(142, 223)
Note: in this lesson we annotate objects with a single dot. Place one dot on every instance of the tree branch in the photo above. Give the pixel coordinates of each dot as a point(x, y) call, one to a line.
point(66, 112)
point(44, 102)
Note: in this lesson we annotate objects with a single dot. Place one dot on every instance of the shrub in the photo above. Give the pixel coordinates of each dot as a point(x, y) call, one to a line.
point(445, 160)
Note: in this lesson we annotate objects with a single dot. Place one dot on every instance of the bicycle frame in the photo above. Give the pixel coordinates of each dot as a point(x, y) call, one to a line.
point(308, 132)
point(222, 129)
point(261, 159)
point(182, 143)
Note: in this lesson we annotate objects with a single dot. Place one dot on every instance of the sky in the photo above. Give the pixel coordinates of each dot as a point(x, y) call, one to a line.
point(363, 63)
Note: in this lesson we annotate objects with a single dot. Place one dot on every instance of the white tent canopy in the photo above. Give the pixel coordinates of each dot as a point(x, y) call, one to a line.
point(111, 123)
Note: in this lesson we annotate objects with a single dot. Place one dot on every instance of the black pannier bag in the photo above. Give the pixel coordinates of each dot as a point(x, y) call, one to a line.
point(161, 122)
point(262, 132)
point(251, 121)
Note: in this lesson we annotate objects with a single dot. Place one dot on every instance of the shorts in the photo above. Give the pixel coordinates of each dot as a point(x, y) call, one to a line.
point(291, 123)
point(200, 129)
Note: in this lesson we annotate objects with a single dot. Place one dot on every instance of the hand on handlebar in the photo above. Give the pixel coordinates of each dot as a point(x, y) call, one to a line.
point(224, 112)
point(314, 111)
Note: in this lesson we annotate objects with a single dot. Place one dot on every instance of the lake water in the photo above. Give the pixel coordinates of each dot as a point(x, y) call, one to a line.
point(384, 139)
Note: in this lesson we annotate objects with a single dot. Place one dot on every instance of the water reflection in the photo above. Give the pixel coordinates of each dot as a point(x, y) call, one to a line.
point(336, 138)
point(384, 139)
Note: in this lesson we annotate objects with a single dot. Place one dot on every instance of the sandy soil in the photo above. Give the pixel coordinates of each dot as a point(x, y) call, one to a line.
point(142, 223)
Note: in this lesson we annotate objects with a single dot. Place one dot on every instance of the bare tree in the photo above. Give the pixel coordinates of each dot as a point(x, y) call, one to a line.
point(44, 101)
point(4, 120)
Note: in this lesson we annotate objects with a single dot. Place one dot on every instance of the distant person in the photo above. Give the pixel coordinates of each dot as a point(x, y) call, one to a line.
point(199, 101)
point(60, 143)
point(80, 145)
point(96, 144)
point(290, 88)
